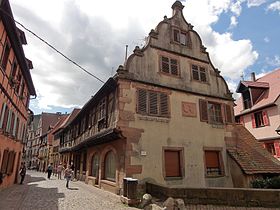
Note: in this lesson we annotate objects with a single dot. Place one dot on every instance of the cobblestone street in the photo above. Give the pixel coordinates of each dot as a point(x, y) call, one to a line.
point(40, 193)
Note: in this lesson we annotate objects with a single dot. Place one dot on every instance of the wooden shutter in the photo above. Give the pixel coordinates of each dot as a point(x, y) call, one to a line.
point(8, 121)
point(212, 159)
point(5, 161)
point(153, 103)
point(172, 163)
point(174, 66)
point(2, 115)
point(142, 101)
point(11, 161)
point(203, 110)
point(163, 106)
point(12, 123)
point(277, 148)
point(241, 120)
point(253, 120)
point(165, 64)
point(265, 118)
point(228, 114)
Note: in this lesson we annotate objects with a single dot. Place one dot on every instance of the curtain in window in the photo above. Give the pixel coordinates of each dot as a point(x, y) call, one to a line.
point(110, 166)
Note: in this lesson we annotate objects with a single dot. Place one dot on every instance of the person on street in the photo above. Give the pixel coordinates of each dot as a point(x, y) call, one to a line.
point(68, 174)
point(60, 168)
point(49, 170)
point(22, 172)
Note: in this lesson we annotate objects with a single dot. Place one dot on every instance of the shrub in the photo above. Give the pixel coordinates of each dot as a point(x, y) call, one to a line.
point(269, 183)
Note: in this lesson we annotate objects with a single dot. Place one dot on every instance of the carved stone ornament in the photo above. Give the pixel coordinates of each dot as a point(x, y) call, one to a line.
point(189, 109)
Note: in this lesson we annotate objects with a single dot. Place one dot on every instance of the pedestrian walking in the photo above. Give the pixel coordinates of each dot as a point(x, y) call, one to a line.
point(22, 172)
point(49, 170)
point(60, 168)
point(68, 174)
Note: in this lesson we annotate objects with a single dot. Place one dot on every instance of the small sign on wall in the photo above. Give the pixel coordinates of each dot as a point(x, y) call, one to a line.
point(189, 109)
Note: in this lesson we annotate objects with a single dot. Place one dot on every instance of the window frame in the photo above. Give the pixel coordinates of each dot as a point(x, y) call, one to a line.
point(97, 165)
point(180, 151)
point(170, 65)
point(106, 176)
point(205, 113)
point(259, 120)
point(178, 39)
point(199, 71)
point(163, 111)
point(220, 161)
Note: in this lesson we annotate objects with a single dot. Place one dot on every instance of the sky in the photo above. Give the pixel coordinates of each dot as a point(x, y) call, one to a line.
point(241, 36)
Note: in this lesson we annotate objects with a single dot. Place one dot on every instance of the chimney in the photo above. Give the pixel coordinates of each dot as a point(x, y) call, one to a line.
point(253, 77)
point(177, 7)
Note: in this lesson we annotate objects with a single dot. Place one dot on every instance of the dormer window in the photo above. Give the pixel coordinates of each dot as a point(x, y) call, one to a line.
point(181, 37)
point(246, 99)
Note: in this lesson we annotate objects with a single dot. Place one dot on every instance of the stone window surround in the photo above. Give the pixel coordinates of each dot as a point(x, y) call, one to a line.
point(221, 162)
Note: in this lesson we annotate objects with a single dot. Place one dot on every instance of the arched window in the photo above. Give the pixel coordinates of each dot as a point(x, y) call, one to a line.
point(95, 165)
point(110, 166)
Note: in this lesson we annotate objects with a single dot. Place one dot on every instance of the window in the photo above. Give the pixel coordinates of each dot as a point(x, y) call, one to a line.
point(169, 66)
point(270, 148)
point(259, 119)
point(246, 99)
point(210, 112)
point(199, 73)
point(213, 163)
point(110, 166)
point(2, 116)
point(95, 165)
point(5, 55)
point(11, 160)
point(5, 160)
point(181, 37)
point(152, 103)
point(173, 163)
point(214, 112)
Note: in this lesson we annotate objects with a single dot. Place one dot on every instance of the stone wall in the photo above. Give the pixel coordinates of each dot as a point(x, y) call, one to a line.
point(219, 196)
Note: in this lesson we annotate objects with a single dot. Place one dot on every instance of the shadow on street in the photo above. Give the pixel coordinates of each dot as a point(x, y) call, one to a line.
point(30, 196)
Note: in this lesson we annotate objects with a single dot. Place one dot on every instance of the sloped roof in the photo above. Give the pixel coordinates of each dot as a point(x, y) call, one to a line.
point(250, 155)
point(255, 84)
point(49, 119)
point(268, 97)
point(67, 120)
point(59, 123)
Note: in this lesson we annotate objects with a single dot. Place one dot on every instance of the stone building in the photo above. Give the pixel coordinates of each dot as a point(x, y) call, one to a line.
point(166, 117)
point(16, 87)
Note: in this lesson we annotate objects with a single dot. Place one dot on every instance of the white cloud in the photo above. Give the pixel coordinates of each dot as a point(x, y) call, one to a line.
point(266, 39)
point(255, 3)
point(275, 61)
point(275, 6)
point(95, 34)
point(233, 22)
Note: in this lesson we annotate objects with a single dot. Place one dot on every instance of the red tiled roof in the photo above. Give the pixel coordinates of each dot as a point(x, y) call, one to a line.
point(250, 155)
point(255, 84)
point(59, 123)
point(268, 97)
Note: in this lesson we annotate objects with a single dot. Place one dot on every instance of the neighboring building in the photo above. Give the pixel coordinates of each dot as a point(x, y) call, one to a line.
point(16, 87)
point(164, 118)
point(46, 123)
point(54, 146)
point(258, 109)
point(32, 144)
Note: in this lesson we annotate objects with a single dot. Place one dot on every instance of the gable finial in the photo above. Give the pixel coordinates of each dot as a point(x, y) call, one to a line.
point(177, 6)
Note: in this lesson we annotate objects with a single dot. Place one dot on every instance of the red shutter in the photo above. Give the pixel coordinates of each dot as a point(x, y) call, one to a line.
point(11, 161)
point(212, 159)
point(203, 110)
point(265, 118)
point(253, 120)
point(172, 163)
point(5, 161)
point(241, 120)
point(277, 148)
